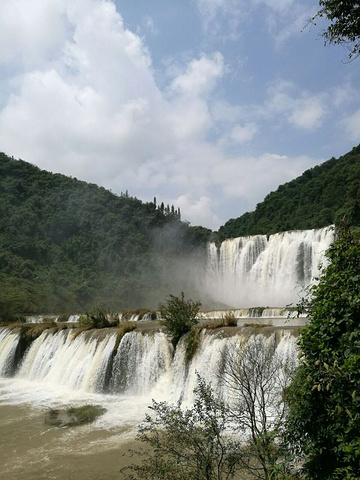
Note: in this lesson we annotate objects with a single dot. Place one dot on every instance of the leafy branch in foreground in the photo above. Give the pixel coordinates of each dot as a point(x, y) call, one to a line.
point(218, 440)
point(344, 28)
point(256, 377)
point(324, 398)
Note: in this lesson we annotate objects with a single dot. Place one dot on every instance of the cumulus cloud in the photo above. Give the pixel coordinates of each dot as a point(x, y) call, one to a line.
point(299, 108)
point(352, 126)
point(81, 99)
point(200, 76)
point(30, 34)
point(200, 211)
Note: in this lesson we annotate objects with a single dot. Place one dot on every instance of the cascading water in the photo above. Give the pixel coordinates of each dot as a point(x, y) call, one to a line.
point(144, 364)
point(8, 345)
point(261, 270)
point(139, 362)
point(64, 368)
point(58, 359)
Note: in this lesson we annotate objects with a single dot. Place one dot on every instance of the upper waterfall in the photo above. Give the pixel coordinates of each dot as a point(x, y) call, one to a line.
point(266, 270)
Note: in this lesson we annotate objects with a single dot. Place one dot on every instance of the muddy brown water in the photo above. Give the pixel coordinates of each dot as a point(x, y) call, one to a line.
point(30, 450)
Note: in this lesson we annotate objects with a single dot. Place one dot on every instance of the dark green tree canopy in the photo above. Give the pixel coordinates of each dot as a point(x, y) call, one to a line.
point(67, 245)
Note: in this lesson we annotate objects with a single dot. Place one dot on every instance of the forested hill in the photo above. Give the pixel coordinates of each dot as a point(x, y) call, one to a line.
point(66, 245)
point(320, 196)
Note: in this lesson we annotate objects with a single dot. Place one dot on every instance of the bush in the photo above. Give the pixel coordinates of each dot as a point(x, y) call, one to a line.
point(229, 319)
point(187, 444)
point(99, 317)
point(324, 399)
point(178, 316)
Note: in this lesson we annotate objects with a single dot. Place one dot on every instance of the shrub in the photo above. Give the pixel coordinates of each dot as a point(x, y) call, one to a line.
point(187, 444)
point(324, 398)
point(178, 316)
point(99, 317)
point(229, 320)
point(192, 341)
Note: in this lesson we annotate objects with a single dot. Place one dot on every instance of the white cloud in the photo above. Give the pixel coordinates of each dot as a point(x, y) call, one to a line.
point(243, 133)
point(84, 102)
point(198, 211)
point(352, 125)
point(300, 108)
point(200, 76)
point(30, 33)
point(250, 176)
point(216, 12)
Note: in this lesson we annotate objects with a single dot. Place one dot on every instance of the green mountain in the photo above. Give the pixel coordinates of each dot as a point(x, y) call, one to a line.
point(321, 196)
point(66, 245)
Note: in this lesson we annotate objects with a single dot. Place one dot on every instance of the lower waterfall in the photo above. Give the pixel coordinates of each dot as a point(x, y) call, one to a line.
point(144, 365)
point(66, 368)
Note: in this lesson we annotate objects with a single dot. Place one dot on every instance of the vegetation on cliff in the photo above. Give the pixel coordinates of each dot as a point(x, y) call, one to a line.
point(66, 245)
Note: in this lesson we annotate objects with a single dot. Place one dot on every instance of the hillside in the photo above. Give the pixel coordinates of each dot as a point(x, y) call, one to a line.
point(319, 197)
point(66, 245)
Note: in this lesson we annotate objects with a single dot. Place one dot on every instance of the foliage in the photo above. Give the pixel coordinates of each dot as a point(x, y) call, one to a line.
point(178, 316)
point(187, 444)
point(229, 319)
point(344, 28)
point(66, 245)
point(99, 317)
point(324, 399)
point(321, 196)
point(192, 340)
point(241, 437)
point(256, 377)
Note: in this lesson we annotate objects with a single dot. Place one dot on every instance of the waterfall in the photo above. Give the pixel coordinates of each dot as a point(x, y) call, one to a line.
point(8, 345)
point(59, 359)
point(261, 270)
point(140, 361)
point(144, 364)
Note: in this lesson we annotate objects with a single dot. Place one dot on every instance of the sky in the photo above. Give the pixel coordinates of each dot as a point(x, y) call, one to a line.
point(205, 104)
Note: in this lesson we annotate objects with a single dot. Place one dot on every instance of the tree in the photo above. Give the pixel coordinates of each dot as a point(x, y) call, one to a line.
point(224, 437)
point(256, 377)
point(344, 28)
point(178, 316)
point(187, 444)
point(324, 398)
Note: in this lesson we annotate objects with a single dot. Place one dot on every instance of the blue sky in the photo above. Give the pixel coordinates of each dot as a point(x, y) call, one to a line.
point(206, 104)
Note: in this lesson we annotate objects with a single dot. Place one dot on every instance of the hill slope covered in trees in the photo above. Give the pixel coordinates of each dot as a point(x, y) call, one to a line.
point(319, 197)
point(66, 245)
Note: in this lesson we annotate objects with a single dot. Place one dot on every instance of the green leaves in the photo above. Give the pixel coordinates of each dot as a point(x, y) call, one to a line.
point(324, 420)
point(179, 316)
point(187, 444)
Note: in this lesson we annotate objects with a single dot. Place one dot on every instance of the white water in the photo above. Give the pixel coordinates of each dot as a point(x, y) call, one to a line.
point(60, 370)
point(8, 344)
point(261, 270)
